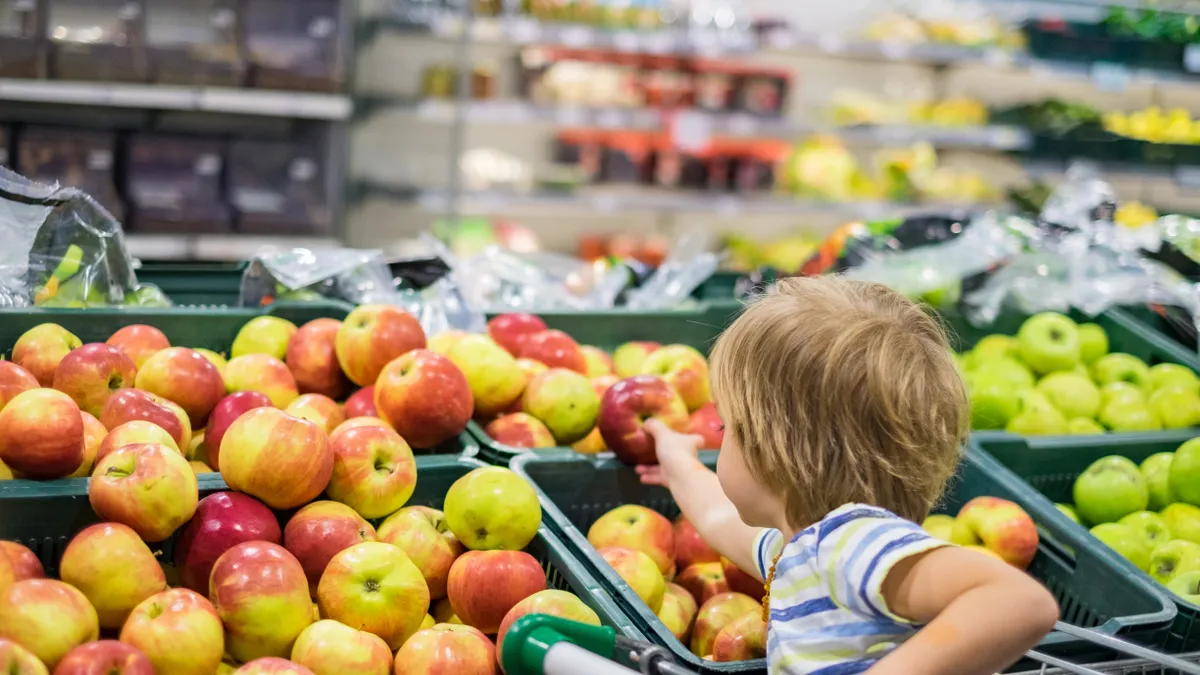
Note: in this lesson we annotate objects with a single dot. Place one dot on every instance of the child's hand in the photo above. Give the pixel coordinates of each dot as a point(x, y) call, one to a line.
point(675, 451)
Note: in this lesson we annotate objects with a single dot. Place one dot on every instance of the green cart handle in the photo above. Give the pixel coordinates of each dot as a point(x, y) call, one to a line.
point(540, 644)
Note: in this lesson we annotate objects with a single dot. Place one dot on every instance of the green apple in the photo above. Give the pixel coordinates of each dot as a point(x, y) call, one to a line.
point(1186, 586)
point(1074, 395)
point(993, 404)
point(1183, 520)
point(1172, 374)
point(1150, 525)
point(1069, 511)
point(1173, 558)
point(1083, 426)
point(1156, 469)
point(492, 508)
point(1032, 399)
point(1120, 391)
point(1110, 489)
point(1177, 406)
point(1120, 367)
point(1126, 541)
point(994, 347)
point(1129, 416)
point(1038, 422)
point(1185, 472)
point(939, 525)
point(1048, 342)
point(967, 361)
point(1004, 369)
point(263, 335)
point(1093, 342)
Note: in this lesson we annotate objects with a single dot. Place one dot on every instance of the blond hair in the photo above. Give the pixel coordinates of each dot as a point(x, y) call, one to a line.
point(838, 392)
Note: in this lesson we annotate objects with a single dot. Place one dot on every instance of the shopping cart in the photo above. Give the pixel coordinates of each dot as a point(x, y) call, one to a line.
point(539, 644)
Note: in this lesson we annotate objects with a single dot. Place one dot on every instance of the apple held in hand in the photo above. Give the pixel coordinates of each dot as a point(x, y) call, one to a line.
point(134, 433)
point(106, 657)
point(1049, 342)
point(629, 357)
point(318, 409)
point(226, 413)
point(261, 595)
point(624, 409)
point(719, 612)
point(282, 460)
point(179, 631)
point(40, 349)
point(565, 401)
point(484, 585)
point(422, 533)
point(493, 508)
point(1110, 489)
point(222, 520)
point(520, 431)
point(138, 342)
point(510, 330)
point(41, 434)
point(16, 660)
point(312, 358)
point(552, 603)
point(678, 611)
point(424, 397)
point(128, 405)
point(320, 531)
point(148, 487)
point(91, 373)
point(639, 528)
point(373, 335)
point(186, 377)
point(374, 587)
point(47, 617)
point(1001, 526)
point(14, 380)
point(331, 648)
point(361, 404)
point(263, 335)
point(685, 369)
point(447, 648)
point(113, 568)
point(262, 373)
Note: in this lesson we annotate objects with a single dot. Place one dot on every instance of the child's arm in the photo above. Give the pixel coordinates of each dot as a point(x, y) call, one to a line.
point(698, 493)
point(981, 614)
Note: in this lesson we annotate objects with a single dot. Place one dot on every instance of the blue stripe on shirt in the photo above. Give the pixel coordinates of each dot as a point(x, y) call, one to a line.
point(808, 608)
point(891, 546)
point(758, 557)
point(847, 668)
point(828, 527)
point(857, 629)
point(883, 528)
point(790, 562)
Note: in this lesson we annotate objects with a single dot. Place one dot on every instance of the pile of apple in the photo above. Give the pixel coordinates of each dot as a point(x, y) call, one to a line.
point(990, 525)
point(1150, 514)
point(536, 387)
point(1058, 377)
point(710, 605)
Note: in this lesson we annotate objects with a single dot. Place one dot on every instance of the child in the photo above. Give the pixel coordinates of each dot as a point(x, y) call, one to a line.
point(844, 418)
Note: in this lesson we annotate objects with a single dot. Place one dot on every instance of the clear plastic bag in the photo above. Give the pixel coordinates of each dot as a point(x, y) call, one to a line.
point(688, 265)
point(62, 249)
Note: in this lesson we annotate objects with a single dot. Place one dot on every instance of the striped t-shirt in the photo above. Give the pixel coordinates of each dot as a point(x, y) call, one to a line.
point(827, 613)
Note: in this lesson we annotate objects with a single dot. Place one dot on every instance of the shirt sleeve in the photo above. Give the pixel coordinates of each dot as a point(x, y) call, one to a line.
point(856, 548)
point(767, 545)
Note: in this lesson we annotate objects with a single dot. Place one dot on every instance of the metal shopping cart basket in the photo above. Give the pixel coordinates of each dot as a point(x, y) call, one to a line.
point(539, 644)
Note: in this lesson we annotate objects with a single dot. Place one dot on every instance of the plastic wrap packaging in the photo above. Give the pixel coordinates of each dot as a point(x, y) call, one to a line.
point(62, 249)
point(502, 280)
point(687, 266)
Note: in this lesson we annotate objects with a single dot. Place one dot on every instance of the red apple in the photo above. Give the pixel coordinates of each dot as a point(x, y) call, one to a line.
point(603, 383)
point(551, 603)
point(312, 358)
point(114, 568)
point(127, 405)
point(706, 423)
point(447, 648)
point(720, 611)
point(47, 617)
point(639, 528)
point(742, 640)
point(599, 363)
point(91, 373)
point(16, 660)
point(678, 611)
point(638, 571)
point(41, 434)
point(510, 330)
point(425, 397)
point(741, 582)
point(374, 472)
point(624, 408)
point(520, 431)
point(320, 531)
point(556, 349)
point(484, 585)
point(93, 436)
point(355, 422)
point(283, 460)
point(106, 657)
point(222, 520)
point(261, 595)
point(318, 409)
point(375, 587)
point(331, 648)
point(138, 342)
point(262, 373)
point(703, 580)
point(40, 349)
point(13, 380)
point(690, 547)
point(361, 403)
point(149, 487)
point(186, 377)
point(133, 433)
point(373, 335)
point(179, 631)
point(25, 562)
point(272, 665)
point(229, 409)
point(422, 533)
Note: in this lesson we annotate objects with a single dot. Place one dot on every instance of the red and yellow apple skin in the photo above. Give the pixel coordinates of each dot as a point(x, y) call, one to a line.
point(447, 648)
point(25, 563)
point(113, 568)
point(550, 602)
point(272, 665)
point(443, 342)
point(225, 414)
point(556, 349)
point(91, 373)
point(690, 547)
point(134, 433)
point(93, 435)
point(741, 640)
point(714, 615)
point(678, 611)
point(14, 380)
point(128, 405)
point(41, 434)
point(186, 377)
point(373, 335)
point(16, 660)
point(639, 572)
point(1000, 526)
point(565, 401)
point(703, 580)
point(47, 617)
point(318, 409)
point(361, 403)
point(706, 423)
point(8, 571)
point(312, 358)
point(40, 349)
point(282, 460)
point(741, 581)
point(492, 373)
point(425, 397)
point(520, 431)
point(624, 408)
point(321, 530)
point(599, 363)
point(422, 533)
point(106, 657)
point(484, 585)
point(373, 586)
point(149, 487)
point(139, 342)
point(629, 357)
point(531, 369)
point(262, 373)
point(374, 472)
point(639, 528)
point(510, 330)
point(355, 422)
point(261, 596)
point(179, 631)
point(331, 648)
point(222, 521)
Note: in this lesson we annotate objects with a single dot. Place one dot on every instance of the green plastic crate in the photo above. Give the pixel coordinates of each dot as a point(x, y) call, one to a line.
point(1092, 588)
point(44, 518)
point(1051, 466)
point(204, 285)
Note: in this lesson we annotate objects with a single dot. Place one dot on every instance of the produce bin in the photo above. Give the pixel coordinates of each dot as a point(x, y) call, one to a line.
point(1092, 588)
point(1051, 465)
point(45, 518)
point(207, 285)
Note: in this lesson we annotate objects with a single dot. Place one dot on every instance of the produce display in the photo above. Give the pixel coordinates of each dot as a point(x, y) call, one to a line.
point(944, 23)
point(1155, 125)
point(850, 107)
point(992, 526)
point(1058, 377)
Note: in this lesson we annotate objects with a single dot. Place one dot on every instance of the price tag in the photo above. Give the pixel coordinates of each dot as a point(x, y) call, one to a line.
point(741, 124)
point(1188, 176)
point(524, 30)
point(1111, 76)
point(577, 36)
point(1191, 58)
point(625, 41)
point(691, 130)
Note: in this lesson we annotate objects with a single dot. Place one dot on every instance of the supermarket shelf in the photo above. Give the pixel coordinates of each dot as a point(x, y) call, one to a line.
point(214, 247)
point(164, 97)
point(734, 124)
